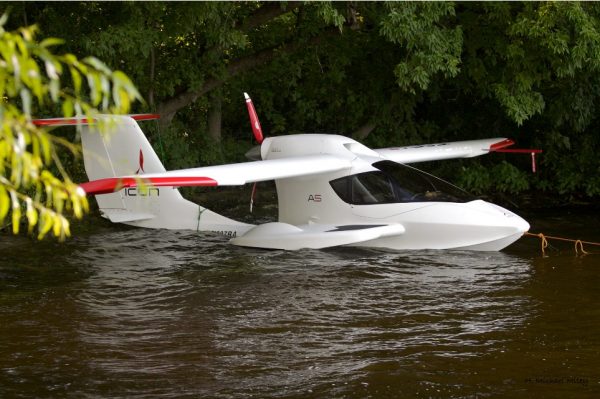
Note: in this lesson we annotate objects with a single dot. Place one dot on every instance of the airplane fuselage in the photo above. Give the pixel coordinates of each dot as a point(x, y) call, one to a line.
point(467, 223)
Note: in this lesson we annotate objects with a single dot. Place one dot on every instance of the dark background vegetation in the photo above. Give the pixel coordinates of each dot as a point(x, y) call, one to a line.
point(387, 74)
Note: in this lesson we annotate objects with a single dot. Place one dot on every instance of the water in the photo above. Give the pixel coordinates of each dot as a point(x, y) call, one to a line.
point(133, 313)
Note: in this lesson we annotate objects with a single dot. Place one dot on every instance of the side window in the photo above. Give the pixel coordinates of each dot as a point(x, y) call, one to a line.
point(372, 188)
point(364, 189)
point(341, 187)
point(396, 183)
point(413, 185)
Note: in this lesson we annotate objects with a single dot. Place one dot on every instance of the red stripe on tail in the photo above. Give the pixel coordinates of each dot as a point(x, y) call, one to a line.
point(113, 184)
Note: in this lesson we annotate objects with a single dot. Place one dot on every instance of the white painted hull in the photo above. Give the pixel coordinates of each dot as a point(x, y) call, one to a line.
point(477, 226)
point(411, 243)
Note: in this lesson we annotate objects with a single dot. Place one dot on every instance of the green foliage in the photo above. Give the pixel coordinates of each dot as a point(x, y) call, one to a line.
point(509, 179)
point(32, 77)
point(524, 53)
point(475, 178)
point(502, 177)
point(431, 47)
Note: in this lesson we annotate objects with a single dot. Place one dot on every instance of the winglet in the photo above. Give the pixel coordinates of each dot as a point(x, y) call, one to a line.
point(256, 129)
point(501, 147)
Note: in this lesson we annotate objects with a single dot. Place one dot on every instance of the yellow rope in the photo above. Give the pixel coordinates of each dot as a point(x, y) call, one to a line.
point(578, 243)
point(544, 242)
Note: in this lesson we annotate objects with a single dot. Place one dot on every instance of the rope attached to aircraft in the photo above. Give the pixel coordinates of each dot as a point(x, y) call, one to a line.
point(578, 243)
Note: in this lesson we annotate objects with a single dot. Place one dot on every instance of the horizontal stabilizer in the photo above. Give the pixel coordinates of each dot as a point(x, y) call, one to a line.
point(314, 236)
point(83, 121)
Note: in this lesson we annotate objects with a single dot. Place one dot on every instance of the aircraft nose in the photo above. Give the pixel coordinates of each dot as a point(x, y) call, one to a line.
point(514, 220)
point(508, 218)
point(520, 224)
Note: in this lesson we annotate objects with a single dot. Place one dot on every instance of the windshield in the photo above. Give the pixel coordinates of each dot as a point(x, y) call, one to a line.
point(393, 183)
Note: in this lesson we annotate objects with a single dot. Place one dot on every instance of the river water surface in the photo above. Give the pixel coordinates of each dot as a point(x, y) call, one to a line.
point(134, 313)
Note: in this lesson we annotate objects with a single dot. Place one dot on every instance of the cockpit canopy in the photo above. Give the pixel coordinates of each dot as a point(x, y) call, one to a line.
point(396, 183)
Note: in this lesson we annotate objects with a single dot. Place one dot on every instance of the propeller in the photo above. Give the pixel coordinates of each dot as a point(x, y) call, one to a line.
point(256, 129)
point(254, 153)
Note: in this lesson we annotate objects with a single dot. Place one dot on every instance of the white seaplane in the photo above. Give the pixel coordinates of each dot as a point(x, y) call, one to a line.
point(331, 191)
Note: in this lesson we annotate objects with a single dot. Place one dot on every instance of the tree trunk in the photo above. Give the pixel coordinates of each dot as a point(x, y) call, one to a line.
point(214, 116)
point(152, 71)
point(169, 107)
point(363, 132)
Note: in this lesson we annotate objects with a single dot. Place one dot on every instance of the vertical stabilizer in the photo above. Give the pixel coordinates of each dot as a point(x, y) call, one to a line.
point(122, 149)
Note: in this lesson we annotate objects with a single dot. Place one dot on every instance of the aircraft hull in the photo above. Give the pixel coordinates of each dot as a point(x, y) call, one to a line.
point(477, 225)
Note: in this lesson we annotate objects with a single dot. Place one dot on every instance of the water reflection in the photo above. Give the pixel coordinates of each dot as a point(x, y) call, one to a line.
point(141, 313)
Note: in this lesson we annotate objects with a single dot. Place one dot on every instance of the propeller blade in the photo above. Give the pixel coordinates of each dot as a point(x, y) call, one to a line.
point(256, 129)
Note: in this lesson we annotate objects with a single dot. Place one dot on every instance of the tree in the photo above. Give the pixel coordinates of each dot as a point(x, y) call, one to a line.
point(32, 79)
point(387, 73)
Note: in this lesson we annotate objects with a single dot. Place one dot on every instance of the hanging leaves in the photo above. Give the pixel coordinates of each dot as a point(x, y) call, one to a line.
point(31, 76)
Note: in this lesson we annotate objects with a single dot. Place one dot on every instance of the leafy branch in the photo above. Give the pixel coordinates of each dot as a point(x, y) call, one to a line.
point(33, 77)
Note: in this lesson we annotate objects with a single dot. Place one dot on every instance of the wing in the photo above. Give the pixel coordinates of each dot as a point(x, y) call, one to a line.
point(278, 235)
point(441, 151)
point(224, 175)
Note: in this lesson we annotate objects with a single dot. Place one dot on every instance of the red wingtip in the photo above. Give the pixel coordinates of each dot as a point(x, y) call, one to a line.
point(256, 129)
point(501, 144)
